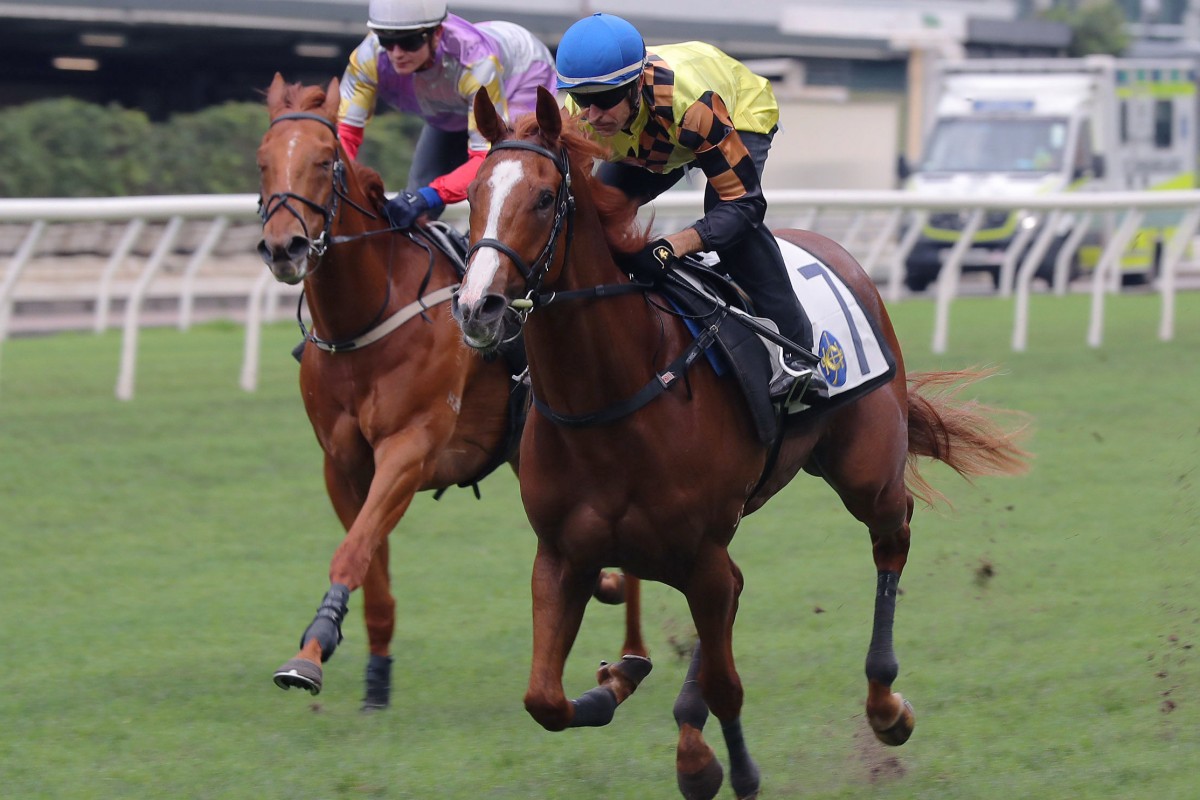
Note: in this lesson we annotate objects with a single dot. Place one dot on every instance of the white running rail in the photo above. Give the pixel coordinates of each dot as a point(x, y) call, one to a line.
point(882, 229)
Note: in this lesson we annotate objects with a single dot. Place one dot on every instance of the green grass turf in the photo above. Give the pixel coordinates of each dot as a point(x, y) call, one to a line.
point(162, 556)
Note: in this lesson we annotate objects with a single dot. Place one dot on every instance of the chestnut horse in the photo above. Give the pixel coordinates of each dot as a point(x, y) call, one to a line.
point(660, 490)
point(396, 403)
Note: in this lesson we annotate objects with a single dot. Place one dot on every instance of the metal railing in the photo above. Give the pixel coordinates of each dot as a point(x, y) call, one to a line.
point(880, 227)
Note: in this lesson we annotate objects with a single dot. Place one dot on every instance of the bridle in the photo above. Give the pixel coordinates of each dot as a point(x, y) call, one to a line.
point(535, 273)
point(268, 206)
point(379, 326)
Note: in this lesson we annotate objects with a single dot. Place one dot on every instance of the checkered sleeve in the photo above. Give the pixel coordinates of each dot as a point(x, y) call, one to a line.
point(707, 130)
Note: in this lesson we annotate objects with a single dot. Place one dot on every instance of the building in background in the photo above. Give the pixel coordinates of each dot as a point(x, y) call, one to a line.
point(849, 73)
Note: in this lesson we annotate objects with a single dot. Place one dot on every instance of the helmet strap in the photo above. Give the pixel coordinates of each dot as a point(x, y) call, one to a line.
point(433, 39)
point(635, 98)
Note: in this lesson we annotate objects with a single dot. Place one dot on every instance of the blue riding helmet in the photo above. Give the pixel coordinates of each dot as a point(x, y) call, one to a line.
point(598, 53)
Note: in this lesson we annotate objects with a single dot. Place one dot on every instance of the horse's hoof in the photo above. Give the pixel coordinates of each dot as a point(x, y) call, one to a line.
point(697, 770)
point(898, 732)
point(625, 676)
point(299, 673)
point(378, 683)
point(703, 784)
point(610, 589)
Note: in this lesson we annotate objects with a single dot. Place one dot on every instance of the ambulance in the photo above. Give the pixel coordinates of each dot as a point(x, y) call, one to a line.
point(1013, 128)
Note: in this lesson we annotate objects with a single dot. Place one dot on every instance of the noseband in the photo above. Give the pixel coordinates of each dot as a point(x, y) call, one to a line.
point(268, 206)
point(535, 273)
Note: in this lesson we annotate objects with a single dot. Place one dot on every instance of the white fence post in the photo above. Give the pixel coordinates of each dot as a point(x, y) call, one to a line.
point(104, 292)
point(947, 283)
point(15, 267)
point(259, 296)
point(1110, 263)
point(133, 308)
point(186, 297)
point(1172, 254)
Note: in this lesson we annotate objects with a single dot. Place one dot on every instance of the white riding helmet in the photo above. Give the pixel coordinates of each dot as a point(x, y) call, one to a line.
point(405, 15)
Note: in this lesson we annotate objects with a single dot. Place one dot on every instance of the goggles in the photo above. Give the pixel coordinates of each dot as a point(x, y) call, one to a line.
point(601, 100)
point(408, 42)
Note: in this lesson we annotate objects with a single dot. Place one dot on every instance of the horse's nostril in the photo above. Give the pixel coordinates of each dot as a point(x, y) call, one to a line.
point(298, 248)
point(491, 307)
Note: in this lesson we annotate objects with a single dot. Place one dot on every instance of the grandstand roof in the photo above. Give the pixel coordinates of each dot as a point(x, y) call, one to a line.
point(172, 55)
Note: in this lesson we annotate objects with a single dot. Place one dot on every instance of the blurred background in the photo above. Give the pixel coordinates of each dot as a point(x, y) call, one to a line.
point(852, 75)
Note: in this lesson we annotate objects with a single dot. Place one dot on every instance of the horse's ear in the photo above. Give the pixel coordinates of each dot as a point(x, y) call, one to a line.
point(275, 95)
point(487, 121)
point(333, 99)
point(548, 115)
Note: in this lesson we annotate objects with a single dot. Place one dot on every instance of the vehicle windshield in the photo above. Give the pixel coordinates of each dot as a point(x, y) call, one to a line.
point(996, 144)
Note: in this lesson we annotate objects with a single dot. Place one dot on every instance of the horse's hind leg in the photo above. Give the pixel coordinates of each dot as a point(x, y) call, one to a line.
point(712, 595)
point(379, 614)
point(889, 714)
point(634, 644)
point(615, 588)
point(868, 473)
point(697, 770)
point(324, 633)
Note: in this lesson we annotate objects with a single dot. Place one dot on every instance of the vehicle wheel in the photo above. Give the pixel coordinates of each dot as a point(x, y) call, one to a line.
point(1147, 277)
point(1045, 270)
point(921, 267)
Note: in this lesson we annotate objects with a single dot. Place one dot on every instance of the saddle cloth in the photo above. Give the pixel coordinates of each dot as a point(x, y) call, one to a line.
point(853, 355)
point(854, 358)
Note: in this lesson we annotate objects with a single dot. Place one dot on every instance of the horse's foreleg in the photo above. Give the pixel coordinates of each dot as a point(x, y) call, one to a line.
point(560, 596)
point(379, 614)
point(393, 483)
point(712, 595)
point(317, 644)
point(889, 714)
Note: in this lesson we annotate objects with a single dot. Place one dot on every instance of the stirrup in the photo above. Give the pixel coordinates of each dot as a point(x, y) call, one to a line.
point(805, 384)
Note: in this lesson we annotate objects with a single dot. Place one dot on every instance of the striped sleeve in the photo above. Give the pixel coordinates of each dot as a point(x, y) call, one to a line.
point(482, 74)
point(360, 83)
point(707, 130)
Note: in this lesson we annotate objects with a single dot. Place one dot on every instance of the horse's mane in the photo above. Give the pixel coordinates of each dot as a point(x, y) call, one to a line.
point(618, 214)
point(297, 97)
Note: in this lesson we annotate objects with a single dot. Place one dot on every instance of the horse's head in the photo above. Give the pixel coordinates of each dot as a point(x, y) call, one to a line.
point(301, 174)
point(521, 206)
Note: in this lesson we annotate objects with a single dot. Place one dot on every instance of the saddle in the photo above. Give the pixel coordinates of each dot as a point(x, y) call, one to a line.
point(735, 348)
point(835, 315)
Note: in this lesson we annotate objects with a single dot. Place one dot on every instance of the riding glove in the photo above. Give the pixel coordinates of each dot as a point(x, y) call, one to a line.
point(403, 209)
point(652, 263)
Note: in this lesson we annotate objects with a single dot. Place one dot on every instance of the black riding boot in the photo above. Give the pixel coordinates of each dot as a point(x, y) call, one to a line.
point(758, 266)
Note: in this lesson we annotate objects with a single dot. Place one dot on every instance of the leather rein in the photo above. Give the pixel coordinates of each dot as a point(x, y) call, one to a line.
point(535, 274)
point(378, 327)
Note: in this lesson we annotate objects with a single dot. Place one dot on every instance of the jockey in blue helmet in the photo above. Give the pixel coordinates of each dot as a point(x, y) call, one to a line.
point(663, 108)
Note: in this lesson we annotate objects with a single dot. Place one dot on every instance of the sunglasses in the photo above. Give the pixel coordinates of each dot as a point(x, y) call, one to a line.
point(408, 42)
point(601, 100)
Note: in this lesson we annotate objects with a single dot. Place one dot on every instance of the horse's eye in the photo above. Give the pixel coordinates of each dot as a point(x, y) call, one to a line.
point(545, 200)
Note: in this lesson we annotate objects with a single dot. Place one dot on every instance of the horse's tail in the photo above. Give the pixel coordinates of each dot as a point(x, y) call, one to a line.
point(963, 434)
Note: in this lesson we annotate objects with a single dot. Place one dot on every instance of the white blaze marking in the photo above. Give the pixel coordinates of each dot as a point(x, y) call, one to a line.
point(486, 261)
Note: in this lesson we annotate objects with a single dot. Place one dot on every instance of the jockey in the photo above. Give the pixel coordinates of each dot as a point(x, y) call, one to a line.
point(425, 61)
point(661, 108)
